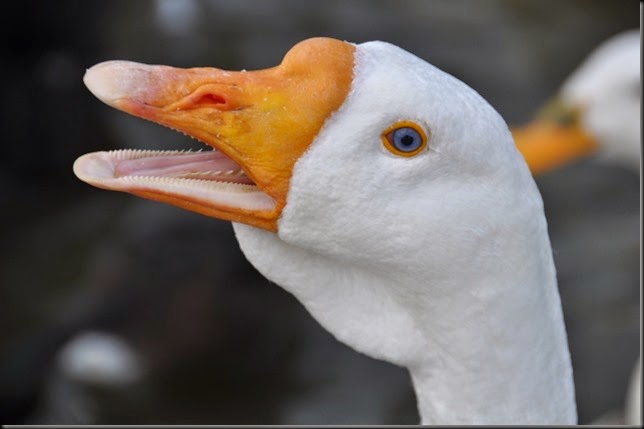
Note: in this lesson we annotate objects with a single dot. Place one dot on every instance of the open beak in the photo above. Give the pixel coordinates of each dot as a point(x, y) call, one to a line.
point(259, 123)
point(555, 138)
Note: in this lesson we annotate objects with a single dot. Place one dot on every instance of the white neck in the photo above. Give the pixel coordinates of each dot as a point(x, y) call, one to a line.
point(497, 364)
point(492, 352)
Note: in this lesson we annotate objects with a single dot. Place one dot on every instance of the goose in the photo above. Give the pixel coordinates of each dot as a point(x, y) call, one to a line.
point(596, 111)
point(387, 196)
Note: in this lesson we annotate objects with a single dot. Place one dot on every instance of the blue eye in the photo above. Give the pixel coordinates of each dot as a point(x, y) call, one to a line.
point(405, 138)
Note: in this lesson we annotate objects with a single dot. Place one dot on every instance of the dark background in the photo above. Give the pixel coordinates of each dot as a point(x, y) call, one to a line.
point(216, 342)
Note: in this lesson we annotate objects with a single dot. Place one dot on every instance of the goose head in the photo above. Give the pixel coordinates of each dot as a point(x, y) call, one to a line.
point(596, 111)
point(364, 155)
point(385, 194)
point(392, 207)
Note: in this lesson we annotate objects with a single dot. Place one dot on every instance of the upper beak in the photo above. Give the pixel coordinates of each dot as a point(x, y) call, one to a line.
point(260, 122)
point(555, 138)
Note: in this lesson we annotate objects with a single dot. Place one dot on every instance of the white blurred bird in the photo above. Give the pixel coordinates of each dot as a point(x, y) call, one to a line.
point(596, 111)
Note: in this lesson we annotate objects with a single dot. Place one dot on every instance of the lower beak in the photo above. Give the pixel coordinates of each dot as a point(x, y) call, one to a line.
point(259, 122)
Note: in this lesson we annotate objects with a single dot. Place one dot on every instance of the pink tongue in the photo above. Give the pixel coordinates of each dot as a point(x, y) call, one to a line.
point(204, 165)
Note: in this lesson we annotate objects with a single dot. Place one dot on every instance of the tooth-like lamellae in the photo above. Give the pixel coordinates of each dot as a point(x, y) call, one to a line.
point(175, 181)
point(206, 174)
point(127, 154)
point(184, 177)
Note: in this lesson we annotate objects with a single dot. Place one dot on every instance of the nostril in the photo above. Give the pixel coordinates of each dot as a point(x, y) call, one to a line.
point(214, 96)
point(209, 99)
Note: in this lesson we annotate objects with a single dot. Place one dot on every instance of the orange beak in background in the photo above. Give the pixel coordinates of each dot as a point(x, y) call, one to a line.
point(554, 139)
point(258, 122)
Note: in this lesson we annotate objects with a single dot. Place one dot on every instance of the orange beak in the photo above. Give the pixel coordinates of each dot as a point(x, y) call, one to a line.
point(259, 122)
point(553, 140)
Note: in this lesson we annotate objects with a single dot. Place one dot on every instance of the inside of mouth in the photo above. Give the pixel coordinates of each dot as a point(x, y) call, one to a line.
point(209, 165)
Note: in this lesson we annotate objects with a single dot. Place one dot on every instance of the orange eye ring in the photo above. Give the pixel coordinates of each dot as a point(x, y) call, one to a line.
point(405, 138)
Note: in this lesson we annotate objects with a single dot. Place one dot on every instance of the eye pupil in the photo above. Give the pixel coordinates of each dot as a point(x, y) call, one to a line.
point(407, 140)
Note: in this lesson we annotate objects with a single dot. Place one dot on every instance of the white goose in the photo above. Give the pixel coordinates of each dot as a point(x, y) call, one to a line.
point(387, 196)
point(597, 110)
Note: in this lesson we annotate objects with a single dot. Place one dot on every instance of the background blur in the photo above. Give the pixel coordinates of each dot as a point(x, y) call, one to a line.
point(117, 310)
